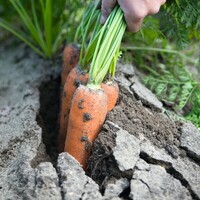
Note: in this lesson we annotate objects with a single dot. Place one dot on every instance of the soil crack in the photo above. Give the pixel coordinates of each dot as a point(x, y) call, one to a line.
point(85, 186)
point(47, 117)
point(60, 181)
point(126, 192)
point(146, 185)
point(170, 170)
point(193, 156)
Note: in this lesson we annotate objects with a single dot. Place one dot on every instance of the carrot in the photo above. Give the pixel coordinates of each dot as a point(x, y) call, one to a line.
point(75, 78)
point(70, 60)
point(112, 90)
point(87, 115)
point(90, 103)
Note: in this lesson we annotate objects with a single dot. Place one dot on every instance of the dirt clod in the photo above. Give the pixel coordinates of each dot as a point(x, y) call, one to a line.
point(77, 83)
point(87, 117)
point(84, 138)
point(80, 104)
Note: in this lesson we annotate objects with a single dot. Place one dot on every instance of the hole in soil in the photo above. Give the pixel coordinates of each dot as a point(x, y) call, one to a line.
point(48, 116)
point(125, 194)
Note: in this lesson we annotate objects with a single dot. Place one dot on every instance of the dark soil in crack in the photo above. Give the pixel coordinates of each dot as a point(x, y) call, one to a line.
point(48, 116)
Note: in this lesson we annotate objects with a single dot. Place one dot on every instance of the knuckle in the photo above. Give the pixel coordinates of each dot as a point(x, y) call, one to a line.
point(135, 15)
point(140, 15)
point(134, 27)
point(134, 22)
point(154, 10)
point(163, 1)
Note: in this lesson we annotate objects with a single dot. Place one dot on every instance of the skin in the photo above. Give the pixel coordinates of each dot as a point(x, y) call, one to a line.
point(112, 91)
point(87, 115)
point(74, 78)
point(134, 10)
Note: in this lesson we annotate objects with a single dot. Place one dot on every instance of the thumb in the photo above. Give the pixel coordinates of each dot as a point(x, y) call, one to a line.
point(106, 9)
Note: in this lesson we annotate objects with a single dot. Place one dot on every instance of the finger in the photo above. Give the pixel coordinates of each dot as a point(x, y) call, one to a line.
point(134, 19)
point(133, 25)
point(163, 2)
point(106, 8)
point(134, 13)
point(154, 6)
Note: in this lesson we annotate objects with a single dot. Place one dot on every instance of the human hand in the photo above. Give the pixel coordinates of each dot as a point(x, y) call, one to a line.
point(134, 10)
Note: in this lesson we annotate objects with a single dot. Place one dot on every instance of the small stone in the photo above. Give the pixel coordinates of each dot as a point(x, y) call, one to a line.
point(115, 187)
point(127, 150)
point(74, 183)
point(47, 186)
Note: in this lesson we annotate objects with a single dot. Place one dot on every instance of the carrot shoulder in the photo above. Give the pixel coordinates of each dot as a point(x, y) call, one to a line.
point(112, 90)
point(75, 78)
point(70, 60)
point(87, 115)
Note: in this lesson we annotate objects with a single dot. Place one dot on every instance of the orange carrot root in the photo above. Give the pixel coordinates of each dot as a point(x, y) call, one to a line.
point(87, 115)
point(70, 60)
point(75, 78)
point(112, 91)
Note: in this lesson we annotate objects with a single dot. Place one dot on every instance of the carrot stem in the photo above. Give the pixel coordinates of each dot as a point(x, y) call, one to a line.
point(107, 47)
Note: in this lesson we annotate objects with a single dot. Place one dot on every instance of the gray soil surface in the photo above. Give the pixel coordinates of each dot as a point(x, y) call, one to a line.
point(140, 153)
